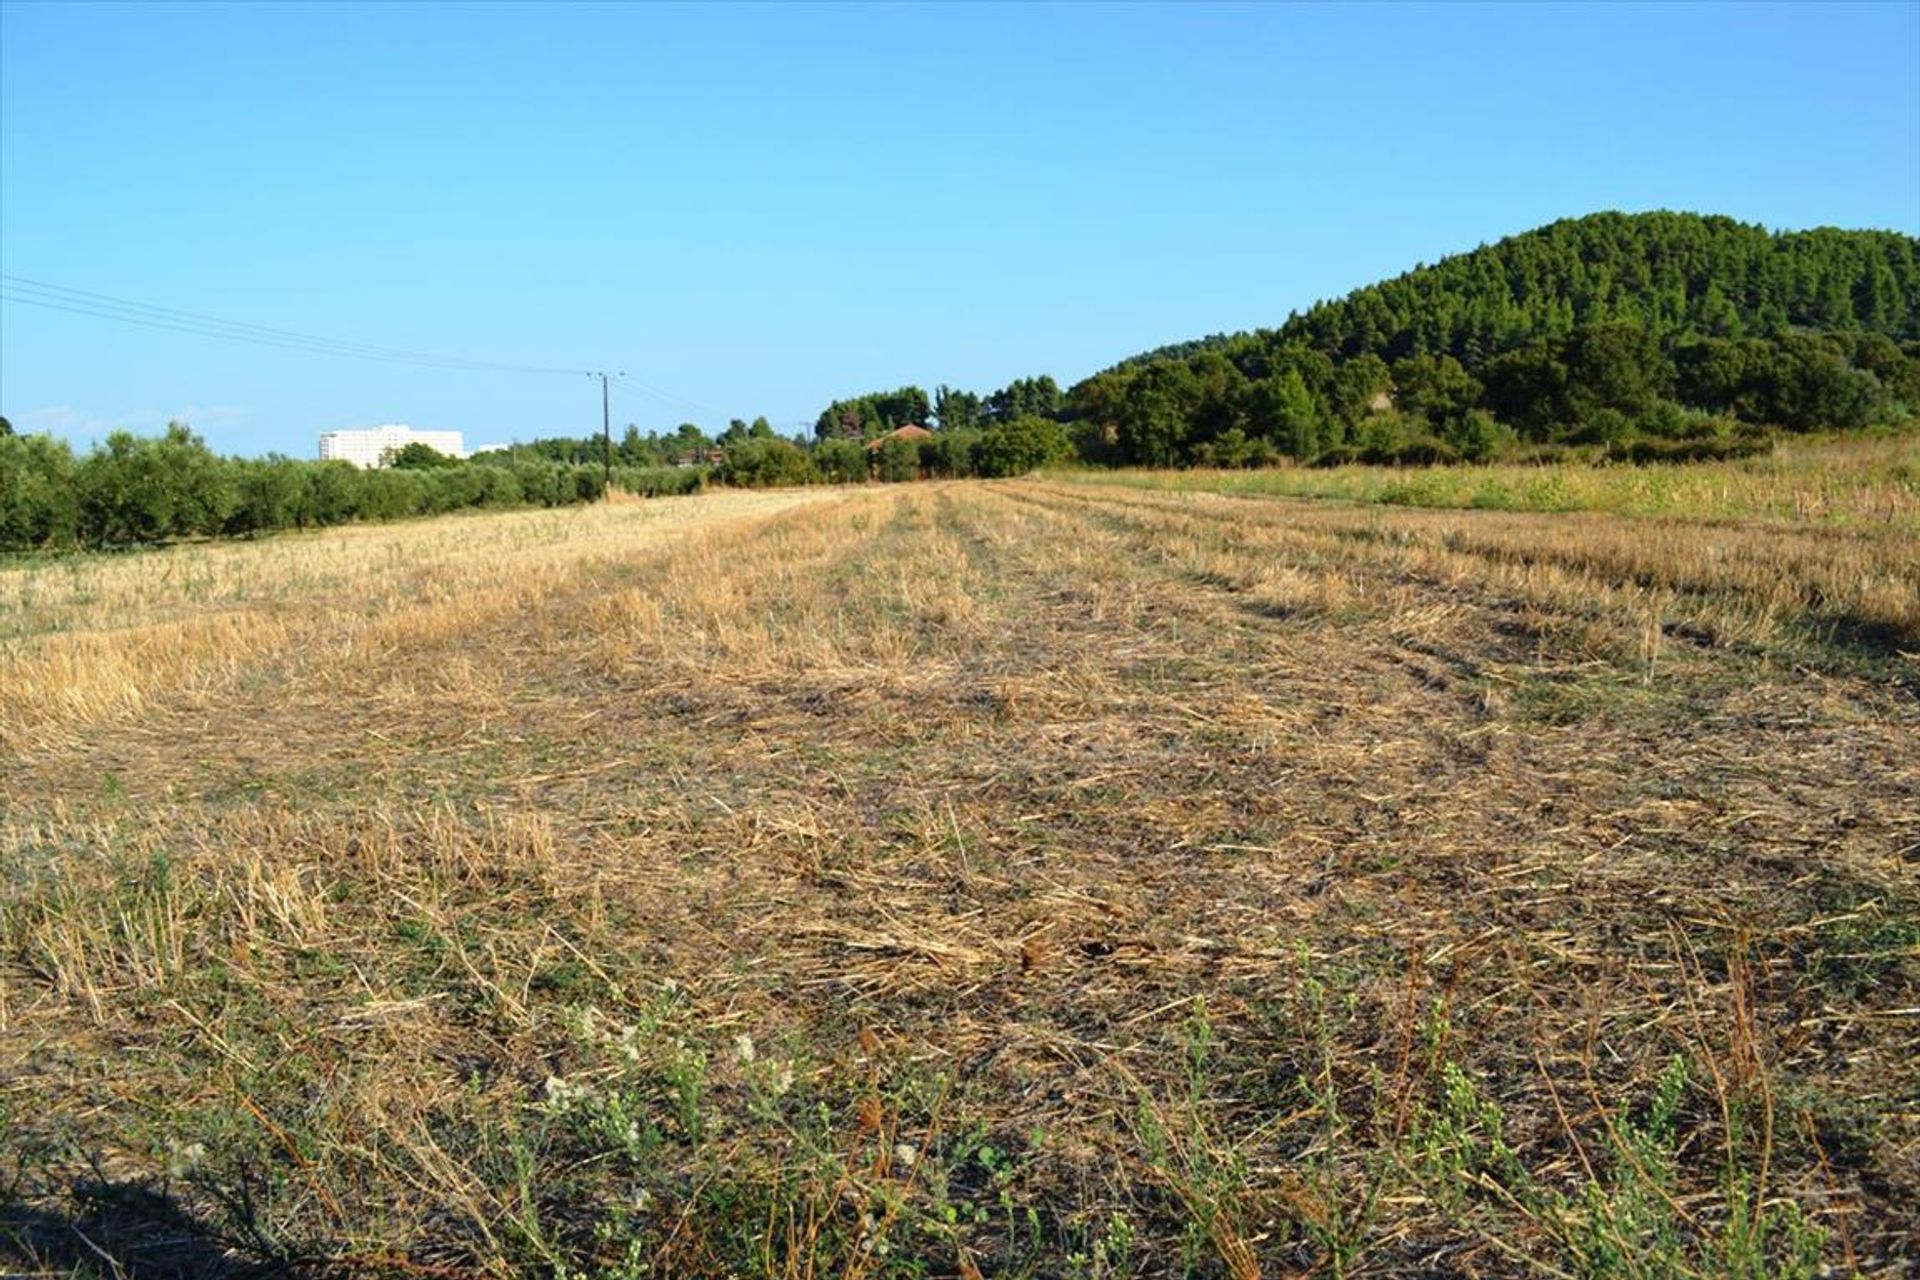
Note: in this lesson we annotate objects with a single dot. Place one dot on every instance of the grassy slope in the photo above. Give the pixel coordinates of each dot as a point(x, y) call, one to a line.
point(1014, 879)
point(1870, 481)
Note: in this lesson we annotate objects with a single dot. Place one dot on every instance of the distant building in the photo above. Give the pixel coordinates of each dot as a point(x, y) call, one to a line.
point(912, 431)
point(369, 446)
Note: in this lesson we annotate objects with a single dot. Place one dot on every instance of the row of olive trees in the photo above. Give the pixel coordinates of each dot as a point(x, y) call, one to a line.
point(131, 490)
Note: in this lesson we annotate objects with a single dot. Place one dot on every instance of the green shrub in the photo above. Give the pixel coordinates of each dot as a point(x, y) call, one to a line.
point(269, 495)
point(1481, 438)
point(761, 463)
point(38, 505)
point(1383, 435)
point(1667, 420)
point(1020, 446)
point(1603, 426)
point(499, 488)
point(841, 461)
point(1705, 448)
point(897, 459)
point(1422, 451)
point(1234, 449)
point(660, 482)
point(950, 452)
point(134, 490)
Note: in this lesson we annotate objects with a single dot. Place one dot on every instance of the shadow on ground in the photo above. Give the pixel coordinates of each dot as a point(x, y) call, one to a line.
point(122, 1230)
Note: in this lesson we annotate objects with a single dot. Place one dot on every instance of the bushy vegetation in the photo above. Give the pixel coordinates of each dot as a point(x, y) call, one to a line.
point(131, 490)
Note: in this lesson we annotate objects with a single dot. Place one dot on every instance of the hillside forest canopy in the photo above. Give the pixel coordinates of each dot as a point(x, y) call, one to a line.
point(1655, 337)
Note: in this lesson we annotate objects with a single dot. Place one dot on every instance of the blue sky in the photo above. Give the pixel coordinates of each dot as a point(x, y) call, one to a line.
point(753, 210)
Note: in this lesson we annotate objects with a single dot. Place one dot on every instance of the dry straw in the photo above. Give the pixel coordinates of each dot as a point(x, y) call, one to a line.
point(1021, 879)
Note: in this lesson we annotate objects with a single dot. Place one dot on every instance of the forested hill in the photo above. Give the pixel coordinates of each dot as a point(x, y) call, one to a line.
point(1676, 274)
point(1671, 273)
point(1588, 329)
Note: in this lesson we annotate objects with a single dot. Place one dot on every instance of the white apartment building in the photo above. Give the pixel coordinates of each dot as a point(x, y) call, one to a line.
point(369, 446)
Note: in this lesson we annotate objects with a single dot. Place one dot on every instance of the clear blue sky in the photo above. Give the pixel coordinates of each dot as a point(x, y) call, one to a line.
point(755, 210)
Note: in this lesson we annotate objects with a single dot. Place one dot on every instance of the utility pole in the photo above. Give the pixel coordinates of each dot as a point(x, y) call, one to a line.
point(606, 435)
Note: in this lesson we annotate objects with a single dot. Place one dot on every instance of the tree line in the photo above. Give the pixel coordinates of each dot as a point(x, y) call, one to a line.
point(1612, 384)
point(878, 412)
point(132, 490)
point(868, 450)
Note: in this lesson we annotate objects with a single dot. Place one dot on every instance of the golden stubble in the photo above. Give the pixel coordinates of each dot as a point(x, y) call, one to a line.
point(89, 638)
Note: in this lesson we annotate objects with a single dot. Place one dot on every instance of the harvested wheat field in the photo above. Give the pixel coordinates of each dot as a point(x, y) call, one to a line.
point(980, 880)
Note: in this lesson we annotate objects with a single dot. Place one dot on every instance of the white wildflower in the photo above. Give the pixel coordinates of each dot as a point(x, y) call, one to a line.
point(872, 1237)
point(183, 1157)
point(562, 1094)
point(743, 1048)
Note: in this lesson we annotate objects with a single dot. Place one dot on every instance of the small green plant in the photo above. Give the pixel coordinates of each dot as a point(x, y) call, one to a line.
point(1463, 1143)
point(1108, 1255)
point(1630, 1215)
point(1627, 1221)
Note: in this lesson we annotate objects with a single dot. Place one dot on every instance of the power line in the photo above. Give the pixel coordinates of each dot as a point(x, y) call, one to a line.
point(641, 388)
point(105, 306)
point(215, 333)
point(39, 293)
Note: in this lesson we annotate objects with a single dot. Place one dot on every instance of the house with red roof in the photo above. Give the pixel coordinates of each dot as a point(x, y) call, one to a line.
point(912, 431)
